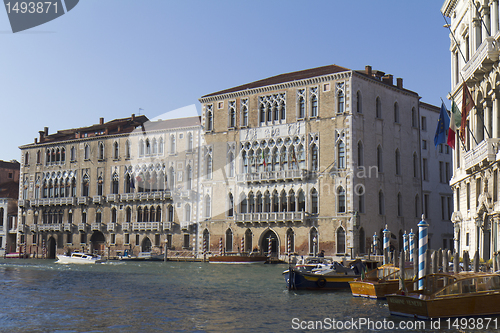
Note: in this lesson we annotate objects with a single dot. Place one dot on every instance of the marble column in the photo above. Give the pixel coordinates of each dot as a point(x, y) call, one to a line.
point(494, 16)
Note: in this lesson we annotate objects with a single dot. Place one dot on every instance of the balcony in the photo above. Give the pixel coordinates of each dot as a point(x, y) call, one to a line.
point(149, 195)
point(23, 203)
point(97, 226)
point(126, 226)
point(111, 227)
point(167, 225)
point(186, 225)
point(485, 151)
point(82, 200)
point(482, 60)
point(34, 227)
point(98, 199)
point(113, 197)
point(82, 227)
point(186, 194)
point(50, 227)
point(127, 196)
point(270, 217)
point(68, 227)
point(272, 176)
point(145, 226)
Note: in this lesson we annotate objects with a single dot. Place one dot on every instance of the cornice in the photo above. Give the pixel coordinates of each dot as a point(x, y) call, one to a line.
point(448, 7)
point(279, 86)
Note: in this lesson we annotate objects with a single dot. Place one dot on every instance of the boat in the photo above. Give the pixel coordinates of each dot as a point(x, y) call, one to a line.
point(142, 256)
point(79, 258)
point(238, 258)
point(325, 277)
point(382, 281)
point(448, 295)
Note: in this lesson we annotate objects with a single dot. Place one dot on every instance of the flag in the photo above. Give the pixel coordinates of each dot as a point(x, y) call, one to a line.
point(467, 105)
point(455, 122)
point(264, 159)
point(442, 126)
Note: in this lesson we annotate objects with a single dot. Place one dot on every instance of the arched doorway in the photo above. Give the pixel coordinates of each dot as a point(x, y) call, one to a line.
point(248, 241)
point(146, 245)
point(270, 236)
point(97, 243)
point(51, 248)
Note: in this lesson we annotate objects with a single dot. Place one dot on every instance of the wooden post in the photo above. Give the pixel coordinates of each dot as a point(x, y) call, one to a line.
point(495, 264)
point(476, 262)
point(434, 260)
point(402, 270)
point(456, 263)
point(439, 259)
point(428, 262)
point(165, 252)
point(466, 261)
point(446, 262)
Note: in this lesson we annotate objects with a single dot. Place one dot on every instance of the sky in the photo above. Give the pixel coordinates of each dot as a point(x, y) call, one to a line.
point(114, 58)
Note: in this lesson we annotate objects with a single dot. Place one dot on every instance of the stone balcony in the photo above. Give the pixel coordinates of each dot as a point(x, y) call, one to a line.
point(112, 227)
point(23, 203)
point(185, 225)
point(68, 227)
point(484, 152)
point(126, 226)
point(82, 227)
point(272, 176)
point(167, 225)
point(53, 202)
point(482, 60)
point(146, 226)
point(98, 199)
point(270, 217)
point(113, 197)
point(97, 226)
point(82, 200)
point(57, 227)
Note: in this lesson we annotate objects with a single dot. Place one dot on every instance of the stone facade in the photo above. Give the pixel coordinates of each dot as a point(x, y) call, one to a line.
point(319, 159)
point(474, 60)
point(125, 184)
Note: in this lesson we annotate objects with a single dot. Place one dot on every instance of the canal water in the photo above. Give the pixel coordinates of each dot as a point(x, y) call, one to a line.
point(41, 296)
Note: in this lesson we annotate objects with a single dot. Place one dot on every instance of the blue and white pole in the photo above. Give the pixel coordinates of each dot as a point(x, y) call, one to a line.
point(405, 244)
point(412, 244)
point(386, 245)
point(423, 239)
point(375, 243)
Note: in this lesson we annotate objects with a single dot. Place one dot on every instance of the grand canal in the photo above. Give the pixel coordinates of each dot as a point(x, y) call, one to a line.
point(41, 296)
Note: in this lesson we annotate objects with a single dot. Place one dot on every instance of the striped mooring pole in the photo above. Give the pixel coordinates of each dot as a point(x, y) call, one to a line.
point(375, 243)
point(406, 246)
point(412, 244)
point(423, 239)
point(220, 246)
point(386, 245)
point(44, 249)
point(269, 247)
point(204, 246)
point(289, 245)
point(242, 244)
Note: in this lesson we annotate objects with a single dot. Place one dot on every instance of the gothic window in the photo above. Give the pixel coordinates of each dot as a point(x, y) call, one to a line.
point(378, 108)
point(231, 164)
point(139, 214)
point(229, 240)
point(269, 112)
point(244, 112)
point(340, 240)
point(128, 215)
point(101, 151)
point(275, 112)
point(63, 155)
point(209, 117)
point(115, 183)
point(360, 192)
point(87, 152)
point(116, 153)
point(301, 201)
point(314, 201)
point(38, 157)
point(359, 103)
point(340, 101)
point(85, 187)
point(262, 112)
point(414, 122)
point(155, 147)
point(113, 215)
point(267, 202)
point(291, 200)
point(259, 202)
point(207, 206)
point(209, 166)
point(314, 101)
point(158, 214)
point(301, 104)
point(341, 200)
point(127, 149)
point(232, 114)
point(341, 155)
point(98, 216)
point(160, 145)
point(170, 212)
point(172, 144)
point(230, 211)
point(396, 112)
point(243, 204)
point(276, 201)
point(314, 157)
point(148, 147)
point(99, 185)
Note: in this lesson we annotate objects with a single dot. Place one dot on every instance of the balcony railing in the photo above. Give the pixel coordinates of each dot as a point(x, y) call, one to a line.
point(68, 227)
point(98, 199)
point(186, 225)
point(127, 196)
point(50, 227)
point(146, 226)
point(82, 201)
point(486, 150)
point(126, 226)
point(272, 176)
point(112, 227)
point(23, 203)
point(82, 227)
point(113, 197)
point(167, 225)
point(97, 226)
point(34, 227)
point(270, 217)
point(483, 58)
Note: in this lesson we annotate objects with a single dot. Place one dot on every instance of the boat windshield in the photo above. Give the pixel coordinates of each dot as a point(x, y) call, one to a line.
point(472, 285)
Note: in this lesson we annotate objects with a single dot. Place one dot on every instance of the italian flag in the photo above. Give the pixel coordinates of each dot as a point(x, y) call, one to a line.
point(455, 122)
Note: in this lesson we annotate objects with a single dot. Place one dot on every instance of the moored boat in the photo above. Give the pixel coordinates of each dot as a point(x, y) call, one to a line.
point(382, 281)
point(450, 295)
point(238, 258)
point(142, 256)
point(79, 258)
point(327, 277)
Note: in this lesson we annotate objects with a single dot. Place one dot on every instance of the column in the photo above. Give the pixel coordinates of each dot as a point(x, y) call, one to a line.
point(495, 114)
point(494, 16)
point(423, 239)
point(485, 25)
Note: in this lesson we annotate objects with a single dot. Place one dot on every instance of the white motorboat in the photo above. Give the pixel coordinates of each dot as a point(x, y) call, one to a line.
point(79, 258)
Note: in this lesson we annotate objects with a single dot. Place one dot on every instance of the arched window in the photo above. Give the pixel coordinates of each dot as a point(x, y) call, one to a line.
point(209, 119)
point(283, 201)
point(359, 104)
point(379, 159)
point(267, 202)
point(341, 155)
point(127, 149)
point(187, 213)
point(400, 205)
point(158, 214)
point(396, 112)
point(341, 200)
point(290, 241)
point(73, 154)
point(276, 202)
point(269, 113)
point(378, 108)
point(282, 111)
point(155, 147)
point(229, 240)
point(231, 164)
point(139, 214)
point(160, 145)
point(170, 213)
point(301, 201)
point(189, 142)
point(397, 162)
point(115, 150)
point(230, 204)
point(172, 144)
point(340, 240)
point(101, 150)
point(314, 106)
point(207, 206)
point(314, 157)
point(113, 215)
point(302, 108)
point(313, 241)
point(381, 205)
point(243, 204)
point(314, 201)
point(262, 112)
point(291, 200)
point(145, 215)
point(99, 185)
point(276, 114)
point(259, 202)
point(209, 167)
point(86, 152)
point(85, 187)
point(244, 112)
point(171, 178)
point(360, 154)
point(340, 101)
point(128, 215)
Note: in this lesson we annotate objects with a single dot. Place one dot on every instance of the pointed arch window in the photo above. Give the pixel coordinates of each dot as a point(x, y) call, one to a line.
point(301, 201)
point(341, 155)
point(314, 201)
point(244, 112)
point(229, 240)
point(302, 108)
point(359, 104)
point(128, 215)
point(314, 157)
point(127, 149)
point(340, 101)
point(341, 200)
point(209, 118)
point(340, 240)
point(160, 145)
point(170, 213)
point(115, 150)
point(232, 114)
point(209, 167)
point(86, 152)
point(397, 162)
point(101, 151)
point(208, 204)
point(230, 211)
point(113, 215)
point(314, 105)
point(262, 112)
point(396, 112)
point(190, 142)
point(267, 202)
point(378, 108)
point(187, 212)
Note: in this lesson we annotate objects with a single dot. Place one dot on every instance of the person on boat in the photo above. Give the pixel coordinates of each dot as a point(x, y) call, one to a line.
point(321, 254)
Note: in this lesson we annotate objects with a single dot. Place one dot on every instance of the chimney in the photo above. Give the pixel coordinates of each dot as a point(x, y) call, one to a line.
point(101, 121)
point(399, 82)
point(77, 135)
point(46, 130)
point(36, 140)
point(368, 70)
point(133, 116)
point(41, 135)
point(388, 79)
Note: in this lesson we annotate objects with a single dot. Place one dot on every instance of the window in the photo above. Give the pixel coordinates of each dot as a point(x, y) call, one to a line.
point(378, 108)
point(359, 108)
point(360, 154)
point(113, 215)
point(302, 108)
point(398, 162)
point(424, 144)
point(341, 155)
point(467, 239)
point(126, 239)
point(116, 153)
point(207, 206)
point(86, 152)
point(209, 118)
point(172, 144)
point(340, 101)
point(396, 113)
point(229, 240)
point(314, 105)
point(244, 112)
point(314, 157)
point(209, 167)
point(340, 240)
point(314, 201)
point(468, 195)
point(424, 123)
point(127, 149)
point(341, 200)
point(447, 171)
point(230, 211)
point(232, 114)
point(101, 151)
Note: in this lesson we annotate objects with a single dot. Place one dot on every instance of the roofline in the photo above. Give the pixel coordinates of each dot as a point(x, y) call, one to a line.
point(448, 7)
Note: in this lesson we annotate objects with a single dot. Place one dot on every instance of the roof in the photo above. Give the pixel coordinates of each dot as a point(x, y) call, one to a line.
point(9, 189)
point(14, 165)
point(172, 123)
point(287, 77)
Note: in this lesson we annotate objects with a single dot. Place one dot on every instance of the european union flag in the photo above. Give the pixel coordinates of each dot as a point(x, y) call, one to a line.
point(442, 127)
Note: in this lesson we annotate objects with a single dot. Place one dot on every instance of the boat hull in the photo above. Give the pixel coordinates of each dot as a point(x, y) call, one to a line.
point(377, 290)
point(62, 259)
point(237, 259)
point(445, 307)
point(296, 280)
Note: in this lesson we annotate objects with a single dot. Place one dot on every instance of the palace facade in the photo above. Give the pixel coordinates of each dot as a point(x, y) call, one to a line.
point(474, 47)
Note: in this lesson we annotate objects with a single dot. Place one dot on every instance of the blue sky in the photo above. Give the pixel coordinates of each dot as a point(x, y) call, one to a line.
point(110, 58)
